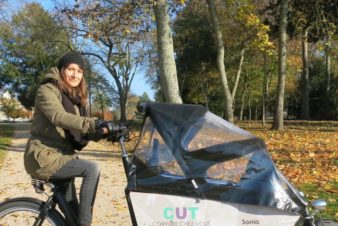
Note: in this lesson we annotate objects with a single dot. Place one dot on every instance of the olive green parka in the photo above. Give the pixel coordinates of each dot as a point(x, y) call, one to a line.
point(47, 149)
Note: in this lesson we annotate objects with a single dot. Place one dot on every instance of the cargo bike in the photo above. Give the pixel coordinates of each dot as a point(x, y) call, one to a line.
point(189, 167)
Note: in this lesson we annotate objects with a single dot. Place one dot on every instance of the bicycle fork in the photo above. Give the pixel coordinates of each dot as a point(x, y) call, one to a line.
point(48, 205)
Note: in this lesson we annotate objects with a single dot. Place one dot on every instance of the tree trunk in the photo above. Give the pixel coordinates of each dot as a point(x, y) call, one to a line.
point(328, 65)
point(305, 114)
point(228, 112)
point(264, 94)
point(249, 106)
point(279, 107)
point(205, 85)
point(242, 105)
point(123, 108)
point(90, 92)
point(256, 113)
point(101, 102)
point(167, 65)
point(241, 111)
point(238, 75)
point(205, 94)
point(123, 90)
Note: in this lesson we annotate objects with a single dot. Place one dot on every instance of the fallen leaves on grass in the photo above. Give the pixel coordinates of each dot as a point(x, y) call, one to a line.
point(306, 152)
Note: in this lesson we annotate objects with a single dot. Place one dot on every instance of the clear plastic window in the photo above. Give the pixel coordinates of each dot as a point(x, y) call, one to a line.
point(212, 130)
point(231, 170)
point(153, 152)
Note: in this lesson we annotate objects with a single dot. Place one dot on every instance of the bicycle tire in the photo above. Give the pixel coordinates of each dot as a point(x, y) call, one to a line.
point(24, 211)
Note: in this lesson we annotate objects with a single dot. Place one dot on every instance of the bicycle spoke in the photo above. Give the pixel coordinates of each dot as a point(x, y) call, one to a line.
point(21, 218)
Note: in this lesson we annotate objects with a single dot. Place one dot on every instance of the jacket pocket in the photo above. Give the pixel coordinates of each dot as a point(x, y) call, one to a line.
point(45, 156)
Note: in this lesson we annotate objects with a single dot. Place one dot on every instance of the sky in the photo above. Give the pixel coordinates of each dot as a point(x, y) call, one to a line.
point(139, 85)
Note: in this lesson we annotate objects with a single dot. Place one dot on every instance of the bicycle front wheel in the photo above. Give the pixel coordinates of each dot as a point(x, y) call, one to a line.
point(24, 211)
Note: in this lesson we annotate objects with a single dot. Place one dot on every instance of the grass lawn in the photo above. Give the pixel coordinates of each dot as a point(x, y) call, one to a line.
point(314, 191)
point(6, 133)
point(307, 154)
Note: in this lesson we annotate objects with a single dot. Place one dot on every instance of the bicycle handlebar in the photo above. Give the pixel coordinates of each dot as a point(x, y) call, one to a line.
point(118, 131)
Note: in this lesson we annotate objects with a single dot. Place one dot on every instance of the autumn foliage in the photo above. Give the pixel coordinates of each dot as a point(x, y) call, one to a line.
point(311, 145)
point(307, 154)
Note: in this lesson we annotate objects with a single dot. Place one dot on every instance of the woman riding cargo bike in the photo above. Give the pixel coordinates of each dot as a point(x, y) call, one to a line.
point(59, 129)
point(189, 167)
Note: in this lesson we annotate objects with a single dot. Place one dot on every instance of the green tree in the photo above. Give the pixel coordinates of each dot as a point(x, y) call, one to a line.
point(196, 51)
point(315, 20)
point(323, 105)
point(253, 35)
point(195, 56)
point(101, 92)
point(313, 23)
point(30, 43)
point(11, 108)
point(144, 98)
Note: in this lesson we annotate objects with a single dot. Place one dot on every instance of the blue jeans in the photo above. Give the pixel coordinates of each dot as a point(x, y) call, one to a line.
point(90, 173)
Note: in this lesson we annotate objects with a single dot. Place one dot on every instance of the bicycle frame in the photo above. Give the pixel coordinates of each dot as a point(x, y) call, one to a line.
point(57, 198)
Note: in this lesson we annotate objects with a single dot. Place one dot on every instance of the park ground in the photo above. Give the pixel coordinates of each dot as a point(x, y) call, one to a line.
point(306, 152)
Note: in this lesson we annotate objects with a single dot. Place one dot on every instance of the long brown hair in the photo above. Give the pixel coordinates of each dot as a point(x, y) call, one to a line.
point(75, 92)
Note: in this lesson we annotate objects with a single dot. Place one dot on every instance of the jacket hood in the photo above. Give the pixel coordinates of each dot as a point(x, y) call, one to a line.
point(52, 75)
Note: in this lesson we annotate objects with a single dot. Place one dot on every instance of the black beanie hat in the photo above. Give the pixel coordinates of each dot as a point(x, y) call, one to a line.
point(71, 58)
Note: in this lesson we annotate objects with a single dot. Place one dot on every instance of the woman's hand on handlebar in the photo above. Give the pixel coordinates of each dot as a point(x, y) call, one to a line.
point(99, 132)
point(107, 129)
point(117, 131)
point(113, 132)
point(104, 127)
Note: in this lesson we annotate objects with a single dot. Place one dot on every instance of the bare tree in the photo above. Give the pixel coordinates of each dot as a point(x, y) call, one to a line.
point(110, 31)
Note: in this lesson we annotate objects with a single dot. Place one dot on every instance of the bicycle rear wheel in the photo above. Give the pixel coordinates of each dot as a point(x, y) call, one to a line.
point(24, 211)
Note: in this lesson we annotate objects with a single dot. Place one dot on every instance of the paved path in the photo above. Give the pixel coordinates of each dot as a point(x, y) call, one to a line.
point(110, 206)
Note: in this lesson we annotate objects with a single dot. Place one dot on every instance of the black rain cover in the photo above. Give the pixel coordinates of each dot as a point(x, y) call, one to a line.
point(186, 150)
